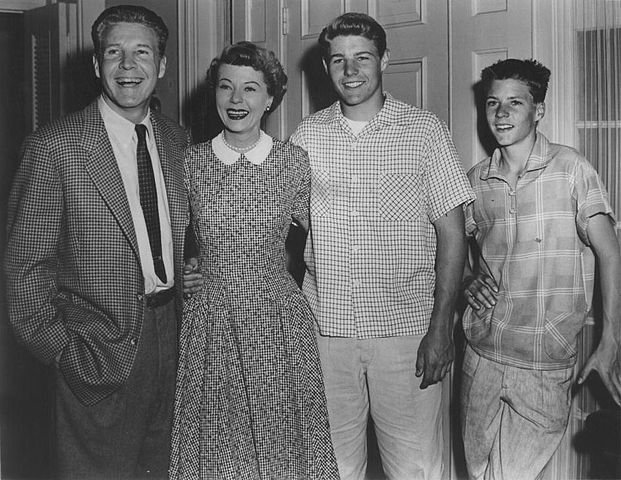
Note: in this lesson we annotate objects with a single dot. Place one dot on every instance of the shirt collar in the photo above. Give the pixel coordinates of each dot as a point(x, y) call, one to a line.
point(383, 117)
point(255, 156)
point(119, 126)
point(536, 160)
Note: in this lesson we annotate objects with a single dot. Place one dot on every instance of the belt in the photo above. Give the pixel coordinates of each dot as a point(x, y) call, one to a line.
point(161, 298)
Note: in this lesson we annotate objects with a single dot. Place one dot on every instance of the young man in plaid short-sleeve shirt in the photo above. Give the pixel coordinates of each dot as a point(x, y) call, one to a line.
point(541, 212)
point(384, 257)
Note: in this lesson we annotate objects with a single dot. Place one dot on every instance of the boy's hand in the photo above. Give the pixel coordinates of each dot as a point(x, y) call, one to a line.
point(480, 291)
point(192, 278)
point(435, 356)
point(606, 361)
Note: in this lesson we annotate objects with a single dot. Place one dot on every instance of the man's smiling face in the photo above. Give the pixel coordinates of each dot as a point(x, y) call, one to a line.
point(129, 66)
point(355, 68)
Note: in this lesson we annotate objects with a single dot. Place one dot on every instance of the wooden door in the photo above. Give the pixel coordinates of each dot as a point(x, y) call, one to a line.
point(483, 31)
point(47, 50)
point(58, 64)
point(262, 22)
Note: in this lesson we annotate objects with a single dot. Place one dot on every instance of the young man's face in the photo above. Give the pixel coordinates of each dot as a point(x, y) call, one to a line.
point(512, 114)
point(129, 66)
point(355, 68)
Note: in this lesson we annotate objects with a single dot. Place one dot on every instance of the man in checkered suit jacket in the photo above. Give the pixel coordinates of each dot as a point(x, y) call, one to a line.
point(83, 295)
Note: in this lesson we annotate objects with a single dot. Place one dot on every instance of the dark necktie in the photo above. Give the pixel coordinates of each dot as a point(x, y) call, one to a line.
point(148, 201)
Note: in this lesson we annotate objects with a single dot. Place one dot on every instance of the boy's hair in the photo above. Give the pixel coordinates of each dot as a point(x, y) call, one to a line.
point(129, 14)
point(533, 73)
point(353, 23)
point(248, 54)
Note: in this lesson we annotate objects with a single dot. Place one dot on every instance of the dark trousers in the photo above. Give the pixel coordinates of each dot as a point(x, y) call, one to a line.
point(126, 435)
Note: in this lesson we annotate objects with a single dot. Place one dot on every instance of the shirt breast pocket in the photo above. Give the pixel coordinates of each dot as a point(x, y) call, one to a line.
point(400, 197)
point(322, 193)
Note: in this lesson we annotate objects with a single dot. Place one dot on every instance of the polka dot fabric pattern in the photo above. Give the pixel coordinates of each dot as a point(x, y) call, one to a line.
point(250, 398)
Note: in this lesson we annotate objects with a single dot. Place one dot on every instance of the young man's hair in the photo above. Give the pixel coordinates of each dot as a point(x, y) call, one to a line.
point(247, 54)
point(533, 73)
point(129, 14)
point(353, 23)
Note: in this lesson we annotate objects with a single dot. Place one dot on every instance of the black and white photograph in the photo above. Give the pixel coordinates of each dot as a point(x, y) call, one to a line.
point(310, 239)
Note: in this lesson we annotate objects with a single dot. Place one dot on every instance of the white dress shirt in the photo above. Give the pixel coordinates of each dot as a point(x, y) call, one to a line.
point(122, 135)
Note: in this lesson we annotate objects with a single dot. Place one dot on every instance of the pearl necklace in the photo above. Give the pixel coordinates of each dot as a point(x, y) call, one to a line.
point(241, 149)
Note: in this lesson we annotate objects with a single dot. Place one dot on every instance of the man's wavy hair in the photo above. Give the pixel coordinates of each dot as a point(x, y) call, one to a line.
point(247, 54)
point(352, 23)
point(533, 73)
point(129, 14)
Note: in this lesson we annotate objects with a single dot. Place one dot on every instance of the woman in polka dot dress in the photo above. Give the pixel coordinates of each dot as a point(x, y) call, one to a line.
point(250, 398)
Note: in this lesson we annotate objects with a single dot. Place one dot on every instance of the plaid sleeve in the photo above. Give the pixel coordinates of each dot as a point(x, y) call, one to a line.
point(470, 223)
point(446, 181)
point(301, 202)
point(35, 217)
point(297, 137)
point(592, 197)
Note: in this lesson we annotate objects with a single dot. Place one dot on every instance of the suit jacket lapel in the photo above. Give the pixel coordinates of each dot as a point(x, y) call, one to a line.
point(102, 167)
point(167, 161)
point(172, 170)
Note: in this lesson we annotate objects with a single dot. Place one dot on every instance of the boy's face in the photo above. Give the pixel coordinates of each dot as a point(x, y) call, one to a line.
point(355, 68)
point(512, 114)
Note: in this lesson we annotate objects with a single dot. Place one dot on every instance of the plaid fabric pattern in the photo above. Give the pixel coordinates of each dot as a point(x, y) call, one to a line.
point(534, 242)
point(74, 280)
point(250, 400)
point(370, 253)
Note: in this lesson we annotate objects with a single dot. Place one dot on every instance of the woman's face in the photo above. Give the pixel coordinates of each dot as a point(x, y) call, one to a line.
point(241, 99)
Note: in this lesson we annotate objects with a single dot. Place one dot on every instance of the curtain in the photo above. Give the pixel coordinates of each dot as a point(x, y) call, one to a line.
point(589, 65)
point(598, 95)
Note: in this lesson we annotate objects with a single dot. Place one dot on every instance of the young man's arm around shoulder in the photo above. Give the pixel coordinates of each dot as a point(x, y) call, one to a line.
point(436, 350)
point(605, 360)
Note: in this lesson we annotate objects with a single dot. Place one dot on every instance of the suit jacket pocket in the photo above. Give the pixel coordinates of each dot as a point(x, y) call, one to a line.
point(99, 355)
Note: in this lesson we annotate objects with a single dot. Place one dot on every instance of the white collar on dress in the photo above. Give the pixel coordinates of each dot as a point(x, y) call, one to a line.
point(255, 156)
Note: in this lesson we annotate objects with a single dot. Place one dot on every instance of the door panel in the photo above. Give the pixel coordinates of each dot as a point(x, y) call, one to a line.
point(483, 31)
point(47, 52)
point(261, 22)
point(58, 63)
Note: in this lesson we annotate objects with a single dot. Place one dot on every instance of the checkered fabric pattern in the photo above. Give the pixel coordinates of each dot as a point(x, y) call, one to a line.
point(74, 280)
point(371, 250)
point(534, 242)
point(250, 400)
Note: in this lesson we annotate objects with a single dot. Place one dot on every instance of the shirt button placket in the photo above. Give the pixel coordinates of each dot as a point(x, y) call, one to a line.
point(513, 202)
point(355, 231)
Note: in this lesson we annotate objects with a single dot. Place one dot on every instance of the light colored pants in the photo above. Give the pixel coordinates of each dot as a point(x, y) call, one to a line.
point(513, 419)
point(378, 376)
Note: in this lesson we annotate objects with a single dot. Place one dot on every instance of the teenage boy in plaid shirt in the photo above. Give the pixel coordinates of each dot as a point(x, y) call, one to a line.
point(541, 212)
point(384, 257)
